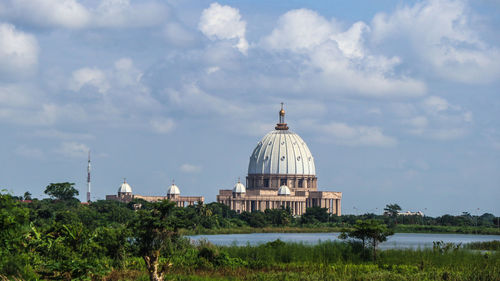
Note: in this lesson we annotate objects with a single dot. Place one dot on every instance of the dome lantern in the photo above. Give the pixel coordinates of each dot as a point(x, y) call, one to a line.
point(281, 123)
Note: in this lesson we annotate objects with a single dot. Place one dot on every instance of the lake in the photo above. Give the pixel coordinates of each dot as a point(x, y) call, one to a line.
point(396, 241)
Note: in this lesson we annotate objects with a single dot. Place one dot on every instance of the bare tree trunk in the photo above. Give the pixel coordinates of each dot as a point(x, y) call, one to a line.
point(152, 262)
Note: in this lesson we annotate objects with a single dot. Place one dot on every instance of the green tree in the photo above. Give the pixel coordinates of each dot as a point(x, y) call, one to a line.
point(371, 231)
point(156, 232)
point(14, 219)
point(279, 217)
point(392, 209)
point(314, 215)
point(61, 191)
point(27, 195)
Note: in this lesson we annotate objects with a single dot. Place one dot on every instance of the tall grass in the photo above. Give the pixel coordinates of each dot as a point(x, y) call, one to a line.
point(329, 260)
point(487, 245)
point(278, 252)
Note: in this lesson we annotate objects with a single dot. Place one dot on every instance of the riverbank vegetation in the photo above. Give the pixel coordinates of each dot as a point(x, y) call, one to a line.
point(61, 239)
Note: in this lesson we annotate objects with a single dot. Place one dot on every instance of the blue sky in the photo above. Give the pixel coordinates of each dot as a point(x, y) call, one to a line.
point(397, 100)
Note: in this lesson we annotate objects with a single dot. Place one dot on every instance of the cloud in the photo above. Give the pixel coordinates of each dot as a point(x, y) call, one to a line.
point(18, 52)
point(442, 37)
point(438, 119)
point(26, 104)
point(121, 13)
point(436, 104)
point(189, 168)
point(196, 101)
point(73, 149)
point(224, 23)
point(48, 13)
point(15, 95)
point(89, 76)
point(344, 134)
point(299, 30)
point(179, 35)
point(29, 152)
point(334, 58)
point(57, 134)
point(72, 14)
point(162, 125)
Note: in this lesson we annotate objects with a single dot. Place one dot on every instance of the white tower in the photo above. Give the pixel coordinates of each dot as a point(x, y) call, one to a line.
point(88, 180)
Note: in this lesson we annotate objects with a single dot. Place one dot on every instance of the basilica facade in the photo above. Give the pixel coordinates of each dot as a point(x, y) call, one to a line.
point(281, 174)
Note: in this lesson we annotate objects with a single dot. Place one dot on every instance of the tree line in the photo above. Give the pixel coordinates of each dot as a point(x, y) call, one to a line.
point(61, 238)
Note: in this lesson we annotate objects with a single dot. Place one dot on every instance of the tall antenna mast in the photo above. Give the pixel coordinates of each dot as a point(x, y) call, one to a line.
point(88, 180)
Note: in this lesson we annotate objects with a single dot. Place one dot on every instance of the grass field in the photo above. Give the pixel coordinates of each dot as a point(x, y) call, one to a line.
point(326, 261)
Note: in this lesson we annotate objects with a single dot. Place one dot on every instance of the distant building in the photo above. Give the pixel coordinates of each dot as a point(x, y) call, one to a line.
point(281, 174)
point(408, 213)
point(173, 194)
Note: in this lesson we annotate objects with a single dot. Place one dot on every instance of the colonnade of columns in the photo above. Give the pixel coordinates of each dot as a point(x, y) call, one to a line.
point(297, 207)
point(183, 203)
point(333, 205)
point(247, 205)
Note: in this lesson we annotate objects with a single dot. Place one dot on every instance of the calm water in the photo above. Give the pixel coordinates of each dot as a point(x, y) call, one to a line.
point(398, 240)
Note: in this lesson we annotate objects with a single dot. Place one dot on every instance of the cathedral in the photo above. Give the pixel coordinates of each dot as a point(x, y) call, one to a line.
point(281, 174)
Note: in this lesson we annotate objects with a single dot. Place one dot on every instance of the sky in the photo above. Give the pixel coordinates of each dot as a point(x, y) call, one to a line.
point(397, 100)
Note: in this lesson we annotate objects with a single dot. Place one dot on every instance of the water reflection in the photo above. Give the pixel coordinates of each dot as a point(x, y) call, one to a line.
point(397, 241)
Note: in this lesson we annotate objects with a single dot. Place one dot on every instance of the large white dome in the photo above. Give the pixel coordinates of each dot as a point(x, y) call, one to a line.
point(282, 152)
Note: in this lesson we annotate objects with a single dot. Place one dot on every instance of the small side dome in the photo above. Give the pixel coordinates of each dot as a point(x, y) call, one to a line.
point(173, 190)
point(125, 187)
point(284, 190)
point(239, 188)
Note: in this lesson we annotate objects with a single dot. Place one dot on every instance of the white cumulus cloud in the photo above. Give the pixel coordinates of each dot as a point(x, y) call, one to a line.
point(75, 14)
point(224, 22)
point(441, 34)
point(89, 76)
point(48, 13)
point(18, 52)
point(333, 57)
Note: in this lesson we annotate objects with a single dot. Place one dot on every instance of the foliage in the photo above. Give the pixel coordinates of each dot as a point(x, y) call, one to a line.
point(60, 238)
point(314, 215)
point(486, 245)
point(156, 232)
point(392, 209)
point(61, 191)
point(371, 231)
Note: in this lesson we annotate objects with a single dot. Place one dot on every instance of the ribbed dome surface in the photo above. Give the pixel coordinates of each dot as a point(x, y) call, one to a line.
point(281, 152)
